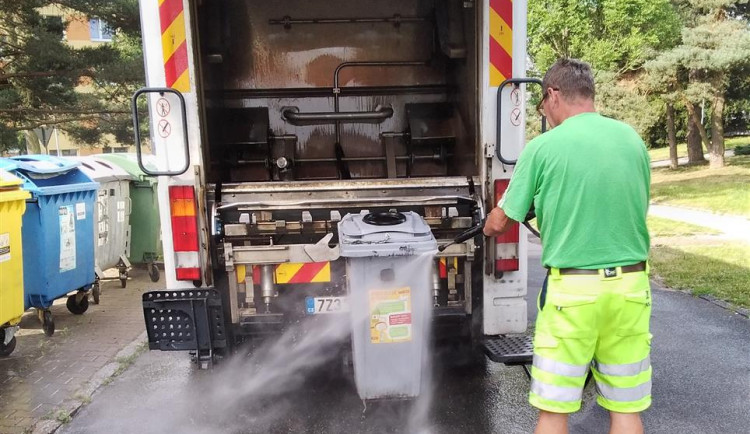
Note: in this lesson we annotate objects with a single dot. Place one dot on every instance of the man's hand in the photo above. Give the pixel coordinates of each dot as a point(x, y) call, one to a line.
point(497, 223)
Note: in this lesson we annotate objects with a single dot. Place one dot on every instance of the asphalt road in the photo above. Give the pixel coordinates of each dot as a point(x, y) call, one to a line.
point(701, 358)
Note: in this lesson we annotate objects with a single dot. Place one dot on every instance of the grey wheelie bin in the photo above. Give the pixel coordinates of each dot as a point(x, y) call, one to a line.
point(145, 241)
point(58, 240)
point(111, 218)
point(388, 268)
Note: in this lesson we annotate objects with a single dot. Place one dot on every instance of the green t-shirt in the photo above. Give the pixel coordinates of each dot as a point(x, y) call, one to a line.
point(588, 179)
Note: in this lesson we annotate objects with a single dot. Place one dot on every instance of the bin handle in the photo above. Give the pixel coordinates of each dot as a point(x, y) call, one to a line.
point(130, 205)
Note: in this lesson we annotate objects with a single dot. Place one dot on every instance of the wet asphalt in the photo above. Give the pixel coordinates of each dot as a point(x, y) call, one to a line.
point(701, 359)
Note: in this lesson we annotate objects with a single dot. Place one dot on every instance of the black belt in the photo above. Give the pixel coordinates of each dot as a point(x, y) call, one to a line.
point(608, 272)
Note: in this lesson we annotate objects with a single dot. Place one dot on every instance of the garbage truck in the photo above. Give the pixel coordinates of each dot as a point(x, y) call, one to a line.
point(273, 123)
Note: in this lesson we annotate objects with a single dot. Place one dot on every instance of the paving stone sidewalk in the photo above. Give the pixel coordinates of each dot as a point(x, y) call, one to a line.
point(48, 378)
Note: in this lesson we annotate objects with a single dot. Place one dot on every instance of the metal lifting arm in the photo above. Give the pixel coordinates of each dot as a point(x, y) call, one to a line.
point(517, 82)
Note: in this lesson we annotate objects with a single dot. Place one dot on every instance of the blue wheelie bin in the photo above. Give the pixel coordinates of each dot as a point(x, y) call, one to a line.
point(58, 233)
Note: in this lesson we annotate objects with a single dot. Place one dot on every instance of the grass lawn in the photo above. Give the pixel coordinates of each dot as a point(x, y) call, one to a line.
point(719, 270)
point(725, 190)
point(663, 153)
point(661, 227)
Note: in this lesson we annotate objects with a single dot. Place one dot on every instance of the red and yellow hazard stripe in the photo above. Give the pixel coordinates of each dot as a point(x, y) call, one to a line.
point(310, 272)
point(174, 45)
point(501, 41)
point(443, 266)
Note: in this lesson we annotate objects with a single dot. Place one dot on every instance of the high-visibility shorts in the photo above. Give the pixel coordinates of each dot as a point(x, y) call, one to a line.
point(596, 322)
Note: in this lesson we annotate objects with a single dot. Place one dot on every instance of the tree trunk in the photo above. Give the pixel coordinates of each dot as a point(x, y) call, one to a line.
point(672, 137)
point(716, 152)
point(694, 146)
point(696, 117)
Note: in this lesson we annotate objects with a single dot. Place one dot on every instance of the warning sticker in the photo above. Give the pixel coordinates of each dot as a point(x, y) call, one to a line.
point(80, 211)
point(68, 237)
point(103, 232)
point(390, 316)
point(4, 247)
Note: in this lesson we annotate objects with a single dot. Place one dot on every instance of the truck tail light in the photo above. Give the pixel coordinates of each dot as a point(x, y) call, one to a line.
point(182, 208)
point(506, 245)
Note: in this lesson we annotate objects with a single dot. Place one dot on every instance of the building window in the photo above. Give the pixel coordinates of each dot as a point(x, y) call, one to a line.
point(64, 152)
point(100, 31)
point(115, 150)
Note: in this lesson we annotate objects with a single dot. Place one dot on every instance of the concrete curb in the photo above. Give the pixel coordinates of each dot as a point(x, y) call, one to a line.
point(724, 304)
point(741, 311)
point(72, 405)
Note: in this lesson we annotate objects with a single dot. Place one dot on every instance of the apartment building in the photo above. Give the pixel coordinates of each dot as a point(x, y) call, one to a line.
point(80, 31)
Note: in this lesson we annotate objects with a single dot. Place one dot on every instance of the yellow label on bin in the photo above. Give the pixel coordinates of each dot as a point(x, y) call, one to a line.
point(390, 315)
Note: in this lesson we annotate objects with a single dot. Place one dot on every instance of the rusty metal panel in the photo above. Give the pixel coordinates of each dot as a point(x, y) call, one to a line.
point(272, 56)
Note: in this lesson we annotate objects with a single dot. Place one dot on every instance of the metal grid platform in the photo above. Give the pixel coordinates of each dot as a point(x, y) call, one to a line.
point(510, 350)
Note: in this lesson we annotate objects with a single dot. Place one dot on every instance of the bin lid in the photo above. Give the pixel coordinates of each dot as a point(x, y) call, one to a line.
point(48, 175)
point(129, 163)
point(10, 188)
point(8, 180)
point(40, 165)
point(385, 234)
point(101, 170)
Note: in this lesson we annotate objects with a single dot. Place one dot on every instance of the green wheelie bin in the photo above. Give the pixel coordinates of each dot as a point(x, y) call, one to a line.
point(145, 240)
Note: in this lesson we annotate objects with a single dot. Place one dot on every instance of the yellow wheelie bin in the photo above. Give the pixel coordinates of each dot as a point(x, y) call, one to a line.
point(12, 207)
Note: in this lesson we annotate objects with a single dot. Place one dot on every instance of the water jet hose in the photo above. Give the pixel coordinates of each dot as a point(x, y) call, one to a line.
point(476, 230)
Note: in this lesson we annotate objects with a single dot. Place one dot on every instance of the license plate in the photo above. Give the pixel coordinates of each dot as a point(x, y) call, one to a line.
point(323, 305)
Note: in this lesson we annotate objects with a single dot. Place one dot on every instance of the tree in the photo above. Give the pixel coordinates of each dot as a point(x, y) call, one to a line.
point(715, 44)
point(612, 35)
point(616, 37)
point(45, 81)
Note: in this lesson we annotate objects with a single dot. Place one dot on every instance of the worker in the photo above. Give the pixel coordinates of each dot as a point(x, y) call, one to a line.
point(588, 180)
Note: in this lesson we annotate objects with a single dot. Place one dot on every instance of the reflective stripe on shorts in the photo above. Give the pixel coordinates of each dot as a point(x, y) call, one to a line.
point(559, 368)
point(630, 394)
point(626, 370)
point(556, 393)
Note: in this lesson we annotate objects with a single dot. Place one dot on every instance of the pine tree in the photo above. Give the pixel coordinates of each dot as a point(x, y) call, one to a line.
point(45, 81)
point(715, 45)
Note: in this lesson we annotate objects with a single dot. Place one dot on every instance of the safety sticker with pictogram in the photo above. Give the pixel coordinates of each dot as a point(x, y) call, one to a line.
point(515, 96)
point(162, 107)
point(390, 315)
point(515, 117)
point(164, 128)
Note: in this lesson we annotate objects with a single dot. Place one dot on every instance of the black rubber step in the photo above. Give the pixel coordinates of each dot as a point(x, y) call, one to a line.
point(510, 350)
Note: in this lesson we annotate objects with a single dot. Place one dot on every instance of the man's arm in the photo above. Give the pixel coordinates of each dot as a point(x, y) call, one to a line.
point(497, 223)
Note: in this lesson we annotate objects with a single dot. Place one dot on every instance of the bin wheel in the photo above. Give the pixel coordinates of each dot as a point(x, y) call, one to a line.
point(153, 272)
point(77, 308)
point(96, 292)
point(48, 324)
point(5, 350)
point(123, 282)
